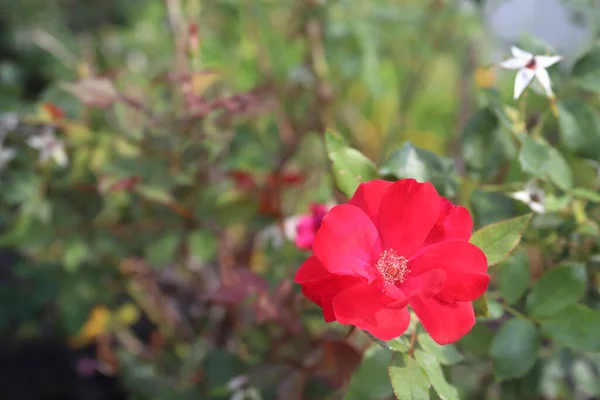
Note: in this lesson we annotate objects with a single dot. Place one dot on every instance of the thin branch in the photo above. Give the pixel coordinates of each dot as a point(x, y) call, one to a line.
point(464, 105)
point(49, 43)
point(176, 22)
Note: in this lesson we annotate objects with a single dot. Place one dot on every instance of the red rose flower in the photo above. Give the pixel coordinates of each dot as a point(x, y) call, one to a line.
point(396, 244)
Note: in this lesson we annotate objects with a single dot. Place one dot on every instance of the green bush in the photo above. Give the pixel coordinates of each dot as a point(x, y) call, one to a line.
point(155, 175)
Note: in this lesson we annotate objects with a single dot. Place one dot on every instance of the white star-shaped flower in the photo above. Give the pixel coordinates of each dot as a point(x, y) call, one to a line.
point(50, 148)
point(533, 196)
point(530, 66)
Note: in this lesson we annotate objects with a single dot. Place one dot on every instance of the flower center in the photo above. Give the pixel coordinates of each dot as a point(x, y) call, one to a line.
point(531, 64)
point(392, 266)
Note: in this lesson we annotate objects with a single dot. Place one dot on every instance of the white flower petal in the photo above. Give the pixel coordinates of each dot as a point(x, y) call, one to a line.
point(519, 53)
point(537, 207)
point(289, 227)
point(546, 61)
point(544, 79)
point(513, 63)
point(522, 195)
point(522, 80)
point(60, 155)
point(37, 142)
point(253, 394)
point(237, 383)
point(7, 155)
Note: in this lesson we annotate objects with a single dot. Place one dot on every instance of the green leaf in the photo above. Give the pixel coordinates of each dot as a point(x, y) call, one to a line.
point(586, 194)
point(498, 240)
point(370, 380)
point(580, 128)
point(587, 172)
point(478, 341)
point(446, 355)
point(156, 194)
point(514, 349)
point(495, 311)
point(491, 207)
point(162, 250)
point(481, 307)
point(434, 372)
point(514, 277)
point(350, 167)
point(408, 379)
point(202, 245)
point(576, 327)
point(39, 207)
point(220, 366)
point(422, 165)
point(400, 344)
point(555, 204)
point(538, 158)
point(586, 71)
point(558, 288)
point(76, 252)
point(18, 232)
point(480, 144)
point(534, 156)
point(236, 211)
point(559, 170)
point(334, 141)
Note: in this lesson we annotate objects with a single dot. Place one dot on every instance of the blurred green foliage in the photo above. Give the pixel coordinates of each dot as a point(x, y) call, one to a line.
point(195, 129)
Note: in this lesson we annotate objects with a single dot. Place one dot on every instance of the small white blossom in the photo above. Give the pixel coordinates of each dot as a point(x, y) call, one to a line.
point(50, 148)
point(248, 394)
point(290, 225)
point(530, 66)
point(237, 383)
point(242, 390)
point(533, 196)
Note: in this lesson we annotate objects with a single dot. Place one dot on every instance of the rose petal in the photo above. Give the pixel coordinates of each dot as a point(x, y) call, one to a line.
point(368, 197)
point(454, 223)
point(348, 243)
point(323, 292)
point(408, 211)
point(311, 270)
point(424, 286)
point(465, 266)
point(315, 295)
point(364, 307)
point(445, 322)
point(390, 323)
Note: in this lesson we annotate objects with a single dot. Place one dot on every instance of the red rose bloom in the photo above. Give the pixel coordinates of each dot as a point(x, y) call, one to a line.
point(392, 245)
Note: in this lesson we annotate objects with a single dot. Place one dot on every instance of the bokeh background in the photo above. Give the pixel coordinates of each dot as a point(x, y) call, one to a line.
point(156, 264)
